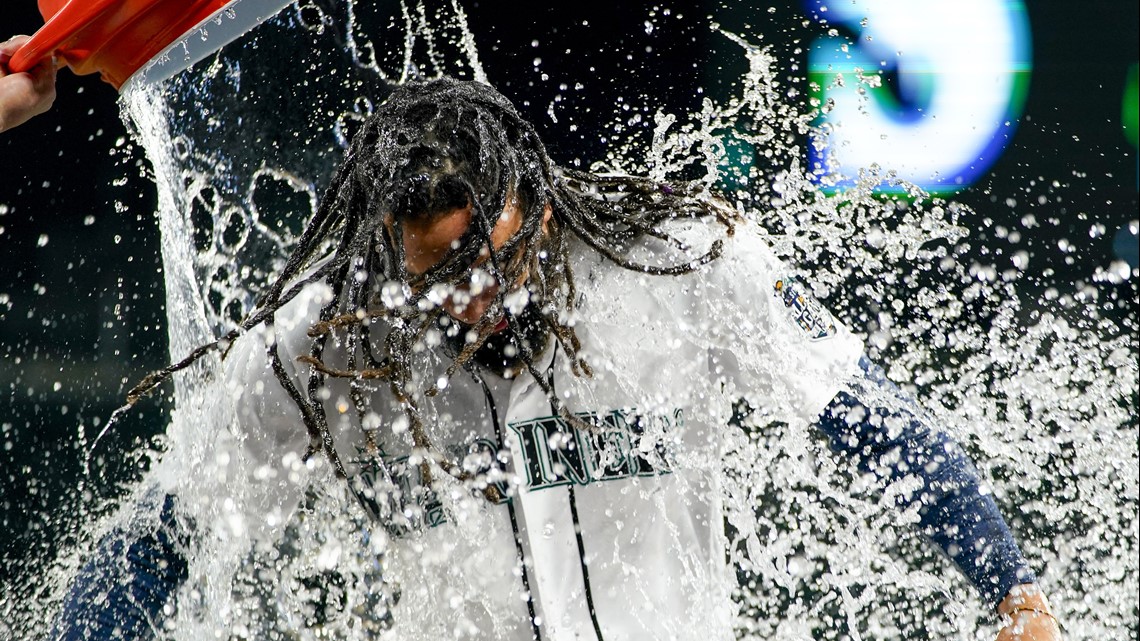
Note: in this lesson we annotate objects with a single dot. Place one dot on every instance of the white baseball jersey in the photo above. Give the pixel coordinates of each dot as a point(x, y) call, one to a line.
point(620, 527)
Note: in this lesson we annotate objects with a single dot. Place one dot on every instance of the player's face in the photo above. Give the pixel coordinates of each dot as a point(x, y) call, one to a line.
point(426, 243)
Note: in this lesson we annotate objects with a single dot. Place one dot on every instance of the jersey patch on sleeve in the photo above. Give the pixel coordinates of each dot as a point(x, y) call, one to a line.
point(804, 311)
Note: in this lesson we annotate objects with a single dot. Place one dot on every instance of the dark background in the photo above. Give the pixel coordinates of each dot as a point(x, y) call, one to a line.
point(81, 294)
point(81, 311)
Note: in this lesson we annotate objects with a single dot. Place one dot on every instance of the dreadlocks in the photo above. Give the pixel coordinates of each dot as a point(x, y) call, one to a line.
point(430, 148)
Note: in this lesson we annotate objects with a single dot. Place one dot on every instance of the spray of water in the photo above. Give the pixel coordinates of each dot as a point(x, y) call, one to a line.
point(1042, 392)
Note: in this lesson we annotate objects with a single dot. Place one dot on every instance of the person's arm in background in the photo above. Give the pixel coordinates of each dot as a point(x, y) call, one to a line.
point(954, 513)
point(27, 94)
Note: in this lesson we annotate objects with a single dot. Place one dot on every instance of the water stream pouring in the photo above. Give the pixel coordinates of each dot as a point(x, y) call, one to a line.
point(150, 39)
point(240, 150)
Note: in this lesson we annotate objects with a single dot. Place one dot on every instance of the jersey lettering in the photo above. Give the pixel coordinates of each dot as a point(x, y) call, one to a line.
point(623, 445)
point(557, 454)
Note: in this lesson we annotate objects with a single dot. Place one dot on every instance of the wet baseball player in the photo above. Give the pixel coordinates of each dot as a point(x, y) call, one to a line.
point(525, 376)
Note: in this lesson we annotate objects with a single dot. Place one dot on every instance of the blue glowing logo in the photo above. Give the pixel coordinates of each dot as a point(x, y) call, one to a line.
point(929, 91)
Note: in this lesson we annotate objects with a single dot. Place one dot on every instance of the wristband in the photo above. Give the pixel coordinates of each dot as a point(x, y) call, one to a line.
point(1047, 613)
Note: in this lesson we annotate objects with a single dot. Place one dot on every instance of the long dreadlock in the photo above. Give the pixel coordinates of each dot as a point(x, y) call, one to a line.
point(433, 147)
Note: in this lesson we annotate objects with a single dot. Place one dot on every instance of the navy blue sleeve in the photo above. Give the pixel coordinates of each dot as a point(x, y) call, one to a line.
point(896, 442)
point(134, 572)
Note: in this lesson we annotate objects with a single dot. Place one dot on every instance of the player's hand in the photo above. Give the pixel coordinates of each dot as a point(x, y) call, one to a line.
point(27, 94)
point(1029, 616)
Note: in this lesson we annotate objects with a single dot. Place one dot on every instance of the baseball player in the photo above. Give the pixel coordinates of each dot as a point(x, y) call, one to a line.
point(525, 375)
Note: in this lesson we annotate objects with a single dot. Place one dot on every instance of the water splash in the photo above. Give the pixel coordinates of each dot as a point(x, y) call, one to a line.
point(1040, 390)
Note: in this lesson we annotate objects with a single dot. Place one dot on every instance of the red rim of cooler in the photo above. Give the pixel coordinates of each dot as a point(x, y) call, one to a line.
point(114, 38)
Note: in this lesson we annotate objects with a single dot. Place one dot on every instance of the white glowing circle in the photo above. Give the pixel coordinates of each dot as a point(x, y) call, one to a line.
point(959, 71)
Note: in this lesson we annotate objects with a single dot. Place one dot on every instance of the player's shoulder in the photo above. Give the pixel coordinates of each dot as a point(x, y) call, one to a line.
point(287, 329)
point(736, 256)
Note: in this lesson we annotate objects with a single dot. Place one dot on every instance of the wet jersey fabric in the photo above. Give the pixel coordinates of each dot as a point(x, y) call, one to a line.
point(613, 532)
point(120, 592)
point(619, 528)
point(955, 513)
